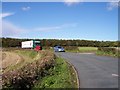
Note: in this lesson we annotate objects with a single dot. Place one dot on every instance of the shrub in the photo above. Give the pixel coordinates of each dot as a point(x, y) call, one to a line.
point(71, 48)
point(109, 50)
point(26, 76)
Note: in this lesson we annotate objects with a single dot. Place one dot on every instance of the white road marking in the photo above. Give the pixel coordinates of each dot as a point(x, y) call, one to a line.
point(115, 75)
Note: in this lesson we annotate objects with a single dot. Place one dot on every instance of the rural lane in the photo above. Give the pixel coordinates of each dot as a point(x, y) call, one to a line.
point(94, 71)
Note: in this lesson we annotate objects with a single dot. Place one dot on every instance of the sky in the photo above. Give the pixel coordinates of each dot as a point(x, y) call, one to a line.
point(60, 20)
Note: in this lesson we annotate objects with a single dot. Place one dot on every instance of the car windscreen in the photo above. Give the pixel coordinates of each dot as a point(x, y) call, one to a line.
point(59, 47)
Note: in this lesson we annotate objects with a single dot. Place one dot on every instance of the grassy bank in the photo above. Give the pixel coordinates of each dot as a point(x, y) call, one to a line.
point(44, 71)
point(61, 75)
point(87, 49)
point(24, 75)
point(106, 54)
point(80, 49)
point(108, 51)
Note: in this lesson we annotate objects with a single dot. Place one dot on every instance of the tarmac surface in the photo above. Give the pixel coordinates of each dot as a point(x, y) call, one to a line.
point(93, 71)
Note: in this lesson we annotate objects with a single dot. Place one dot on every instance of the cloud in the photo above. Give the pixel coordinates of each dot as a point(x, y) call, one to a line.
point(3, 15)
point(53, 28)
point(9, 29)
point(26, 8)
point(111, 5)
point(72, 2)
point(47, 28)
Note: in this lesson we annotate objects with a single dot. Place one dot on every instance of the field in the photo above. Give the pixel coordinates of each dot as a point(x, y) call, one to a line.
point(17, 58)
point(106, 51)
point(87, 49)
point(80, 49)
point(31, 69)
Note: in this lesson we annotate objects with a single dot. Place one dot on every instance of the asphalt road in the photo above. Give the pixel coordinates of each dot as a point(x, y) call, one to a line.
point(94, 71)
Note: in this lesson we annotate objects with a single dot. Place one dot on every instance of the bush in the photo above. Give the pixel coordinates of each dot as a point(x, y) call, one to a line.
point(109, 51)
point(71, 48)
point(29, 74)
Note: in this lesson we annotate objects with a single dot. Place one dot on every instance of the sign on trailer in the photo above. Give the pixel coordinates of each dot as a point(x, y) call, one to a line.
point(27, 44)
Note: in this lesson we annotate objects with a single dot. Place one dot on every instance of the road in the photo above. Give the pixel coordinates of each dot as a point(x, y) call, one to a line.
point(94, 71)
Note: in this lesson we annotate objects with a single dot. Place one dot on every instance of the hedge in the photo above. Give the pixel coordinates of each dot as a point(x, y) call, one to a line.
point(26, 77)
point(109, 50)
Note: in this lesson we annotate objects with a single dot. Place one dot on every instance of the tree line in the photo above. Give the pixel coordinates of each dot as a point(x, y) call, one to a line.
point(14, 42)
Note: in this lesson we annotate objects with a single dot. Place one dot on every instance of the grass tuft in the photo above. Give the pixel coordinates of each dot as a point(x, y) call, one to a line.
point(60, 76)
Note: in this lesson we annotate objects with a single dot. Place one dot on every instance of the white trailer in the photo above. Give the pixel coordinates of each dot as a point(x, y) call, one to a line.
point(27, 44)
point(30, 44)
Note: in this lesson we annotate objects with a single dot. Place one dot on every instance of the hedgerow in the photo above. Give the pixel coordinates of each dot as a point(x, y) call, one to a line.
point(26, 77)
point(109, 51)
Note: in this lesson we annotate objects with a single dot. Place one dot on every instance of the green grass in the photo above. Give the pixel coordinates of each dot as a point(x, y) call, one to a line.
point(28, 53)
point(60, 76)
point(108, 54)
point(81, 49)
point(108, 51)
point(87, 49)
point(74, 51)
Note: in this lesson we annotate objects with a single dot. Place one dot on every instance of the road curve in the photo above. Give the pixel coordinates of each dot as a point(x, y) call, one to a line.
point(94, 71)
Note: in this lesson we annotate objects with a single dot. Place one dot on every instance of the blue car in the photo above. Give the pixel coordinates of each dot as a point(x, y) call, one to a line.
point(59, 49)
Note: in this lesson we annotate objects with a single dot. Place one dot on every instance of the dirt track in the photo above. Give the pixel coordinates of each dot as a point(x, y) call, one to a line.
point(9, 58)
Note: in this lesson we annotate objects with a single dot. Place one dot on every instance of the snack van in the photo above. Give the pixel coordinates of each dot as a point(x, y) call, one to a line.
point(31, 44)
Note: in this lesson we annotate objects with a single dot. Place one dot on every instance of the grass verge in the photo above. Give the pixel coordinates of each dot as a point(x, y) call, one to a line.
point(108, 51)
point(61, 75)
point(87, 49)
point(107, 54)
point(80, 49)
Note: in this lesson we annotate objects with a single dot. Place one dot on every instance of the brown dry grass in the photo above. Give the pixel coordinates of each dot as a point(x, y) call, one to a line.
point(28, 74)
point(10, 58)
point(16, 59)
